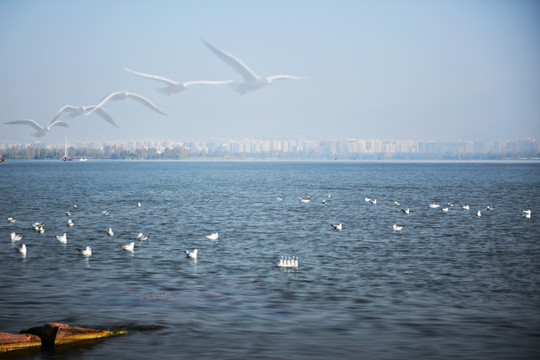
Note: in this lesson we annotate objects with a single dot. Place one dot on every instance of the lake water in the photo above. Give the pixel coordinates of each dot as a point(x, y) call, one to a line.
point(449, 285)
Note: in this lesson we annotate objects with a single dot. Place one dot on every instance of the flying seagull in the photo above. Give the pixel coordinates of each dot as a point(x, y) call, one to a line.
point(75, 111)
point(174, 87)
point(122, 95)
point(40, 130)
point(252, 81)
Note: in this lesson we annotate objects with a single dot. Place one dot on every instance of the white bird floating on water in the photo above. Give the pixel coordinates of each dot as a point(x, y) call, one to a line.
point(434, 206)
point(489, 208)
point(279, 199)
point(74, 111)
point(526, 214)
point(11, 220)
point(122, 95)
point(212, 236)
point(70, 223)
point(324, 202)
point(174, 87)
point(397, 203)
point(110, 232)
point(15, 237)
point(397, 227)
point(37, 225)
point(139, 204)
point(191, 253)
point(305, 200)
point(445, 209)
point(41, 230)
point(62, 238)
point(128, 247)
point(366, 199)
point(75, 206)
point(68, 213)
point(40, 130)
point(338, 227)
point(252, 81)
point(406, 211)
point(478, 213)
point(86, 252)
point(465, 207)
point(22, 250)
point(105, 213)
point(142, 237)
point(373, 202)
point(288, 262)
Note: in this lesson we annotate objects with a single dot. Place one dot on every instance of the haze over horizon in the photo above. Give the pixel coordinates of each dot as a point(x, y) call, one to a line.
point(416, 70)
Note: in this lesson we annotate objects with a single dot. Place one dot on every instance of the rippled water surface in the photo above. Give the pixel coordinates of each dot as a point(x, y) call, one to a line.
point(448, 285)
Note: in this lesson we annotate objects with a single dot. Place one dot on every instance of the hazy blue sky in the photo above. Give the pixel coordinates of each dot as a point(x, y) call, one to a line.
point(441, 70)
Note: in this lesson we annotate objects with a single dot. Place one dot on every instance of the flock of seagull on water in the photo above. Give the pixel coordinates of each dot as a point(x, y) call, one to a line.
point(87, 251)
point(251, 82)
point(284, 262)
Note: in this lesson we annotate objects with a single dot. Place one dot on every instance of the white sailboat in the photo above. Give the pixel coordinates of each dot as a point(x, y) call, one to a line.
point(66, 158)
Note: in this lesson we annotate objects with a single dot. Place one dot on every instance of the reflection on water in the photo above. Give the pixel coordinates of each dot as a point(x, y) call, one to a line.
point(449, 284)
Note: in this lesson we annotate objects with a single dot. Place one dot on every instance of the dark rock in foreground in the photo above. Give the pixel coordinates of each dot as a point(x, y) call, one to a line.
point(51, 334)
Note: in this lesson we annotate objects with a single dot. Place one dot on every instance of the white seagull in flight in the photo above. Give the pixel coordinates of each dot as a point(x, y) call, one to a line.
point(74, 111)
point(122, 95)
point(174, 87)
point(252, 81)
point(40, 130)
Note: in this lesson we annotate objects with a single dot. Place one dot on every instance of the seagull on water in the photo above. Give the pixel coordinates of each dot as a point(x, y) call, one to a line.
point(62, 238)
point(74, 111)
point(406, 211)
point(338, 227)
point(75, 206)
point(70, 223)
point(122, 95)
point(397, 203)
point(110, 232)
point(252, 81)
point(139, 204)
point(478, 213)
point(128, 247)
point(279, 199)
point(489, 208)
point(11, 220)
point(397, 227)
point(434, 206)
point(445, 209)
point(86, 252)
point(465, 207)
point(174, 87)
point(373, 202)
point(526, 214)
point(15, 237)
point(191, 253)
point(366, 199)
point(40, 130)
point(22, 250)
point(105, 212)
point(142, 237)
point(305, 200)
point(212, 236)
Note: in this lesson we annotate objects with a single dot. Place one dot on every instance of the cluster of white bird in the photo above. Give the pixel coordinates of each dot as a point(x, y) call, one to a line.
point(251, 82)
point(526, 213)
point(86, 252)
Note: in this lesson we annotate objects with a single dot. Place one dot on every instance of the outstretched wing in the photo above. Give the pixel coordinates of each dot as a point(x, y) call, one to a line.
point(72, 110)
point(153, 77)
point(145, 102)
point(30, 122)
point(206, 82)
point(104, 114)
point(58, 123)
point(283, 77)
point(234, 62)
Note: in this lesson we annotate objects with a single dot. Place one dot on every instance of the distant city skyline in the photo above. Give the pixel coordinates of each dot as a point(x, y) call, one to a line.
point(300, 148)
point(416, 69)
